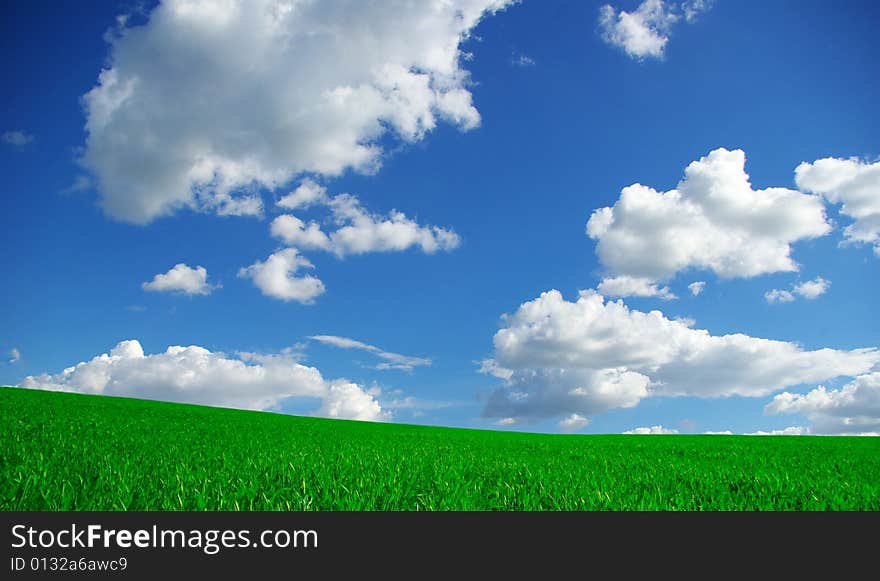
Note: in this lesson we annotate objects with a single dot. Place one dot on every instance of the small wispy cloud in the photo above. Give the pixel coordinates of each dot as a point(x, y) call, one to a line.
point(390, 360)
point(522, 60)
point(17, 138)
point(14, 355)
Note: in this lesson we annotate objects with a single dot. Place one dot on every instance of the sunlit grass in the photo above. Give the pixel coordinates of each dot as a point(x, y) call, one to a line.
point(62, 451)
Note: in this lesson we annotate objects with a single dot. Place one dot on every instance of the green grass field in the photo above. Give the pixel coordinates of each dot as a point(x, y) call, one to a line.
point(64, 451)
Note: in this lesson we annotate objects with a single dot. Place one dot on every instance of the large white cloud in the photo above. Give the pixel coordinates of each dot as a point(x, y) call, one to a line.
point(645, 32)
point(182, 278)
point(196, 375)
point(276, 277)
point(853, 409)
point(856, 186)
point(713, 220)
point(560, 357)
point(357, 230)
point(208, 99)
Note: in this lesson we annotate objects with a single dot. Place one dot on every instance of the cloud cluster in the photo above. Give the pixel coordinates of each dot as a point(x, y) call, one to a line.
point(276, 277)
point(591, 355)
point(208, 101)
point(183, 279)
point(645, 32)
point(809, 290)
point(713, 220)
point(853, 409)
point(389, 360)
point(196, 375)
point(853, 184)
point(357, 230)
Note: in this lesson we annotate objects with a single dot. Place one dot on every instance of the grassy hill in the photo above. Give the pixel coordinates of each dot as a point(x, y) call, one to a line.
point(62, 451)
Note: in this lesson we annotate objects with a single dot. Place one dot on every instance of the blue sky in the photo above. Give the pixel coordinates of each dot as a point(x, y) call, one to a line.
point(532, 117)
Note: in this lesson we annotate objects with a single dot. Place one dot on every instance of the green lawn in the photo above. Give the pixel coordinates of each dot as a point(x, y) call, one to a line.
point(64, 451)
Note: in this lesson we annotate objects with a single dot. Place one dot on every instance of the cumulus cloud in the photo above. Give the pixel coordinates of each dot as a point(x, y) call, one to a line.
point(713, 220)
point(856, 186)
point(853, 409)
point(721, 433)
point(631, 286)
point(809, 290)
point(357, 230)
point(305, 195)
point(276, 277)
point(573, 423)
point(658, 430)
point(645, 32)
point(196, 375)
point(778, 296)
point(17, 138)
point(182, 278)
point(14, 355)
point(390, 360)
point(593, 355)
point(346, 400)
point(209, 101)
point(697, 287)
point(812, 289)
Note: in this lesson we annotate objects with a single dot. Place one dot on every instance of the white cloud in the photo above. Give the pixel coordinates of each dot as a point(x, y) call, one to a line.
point(693, 8)
point(573, 423)
point(853, 184)
point(196, 375)
point(812, 289)
point(697, 287)
point(778, 296)
point(14, 355)
point(789, 431)
point(721, 433)
point(358, 231)
point(207, 101)
point(275, 277)
point(390, 360)
point(295, 232)
point(713, 220)
point(506, 422)
point(853, 409)
point(630, 286)
point(182, 278)
point(17, 138)
point(809, 290)
point(305, 195)
point(643, 33)
point(658, 430)
point(593, 355)
point(346, 400)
